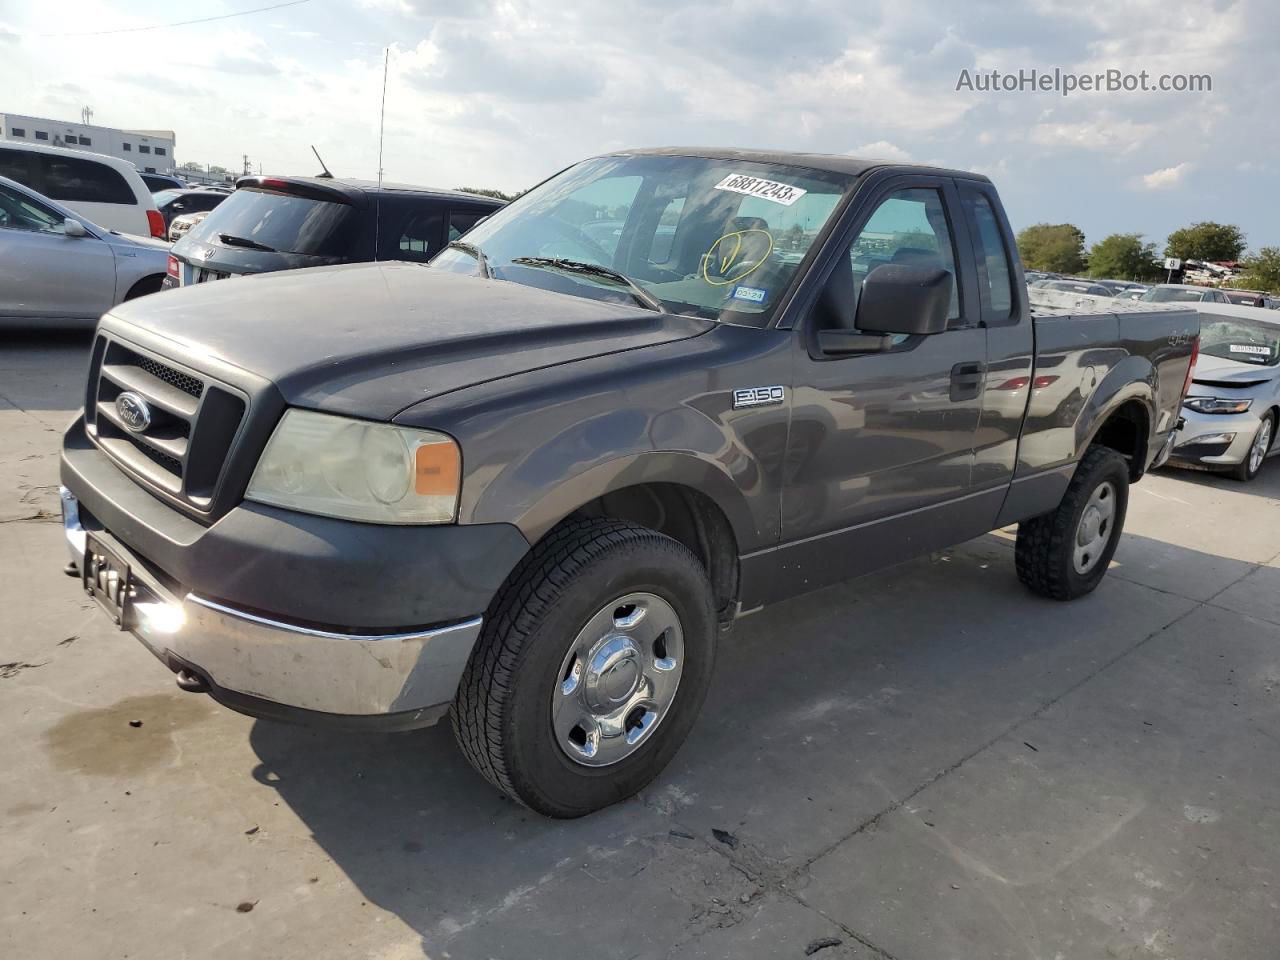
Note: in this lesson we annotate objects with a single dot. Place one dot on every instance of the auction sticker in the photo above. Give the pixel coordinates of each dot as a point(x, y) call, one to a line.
point(1255, 350)
point(764, 189)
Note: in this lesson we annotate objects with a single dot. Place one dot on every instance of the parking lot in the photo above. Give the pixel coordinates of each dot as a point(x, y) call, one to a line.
point(927, 763)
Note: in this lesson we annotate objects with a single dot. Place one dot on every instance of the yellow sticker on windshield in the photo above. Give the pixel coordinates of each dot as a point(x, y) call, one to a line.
point(736, 255)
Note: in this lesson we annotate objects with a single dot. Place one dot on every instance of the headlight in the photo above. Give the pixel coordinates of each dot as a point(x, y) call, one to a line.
point(338, 467)
point(1216, 405)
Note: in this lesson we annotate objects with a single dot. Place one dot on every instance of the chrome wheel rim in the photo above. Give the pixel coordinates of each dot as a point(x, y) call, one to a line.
point(618, 680)
point(1261, 443)
point(1095, 528)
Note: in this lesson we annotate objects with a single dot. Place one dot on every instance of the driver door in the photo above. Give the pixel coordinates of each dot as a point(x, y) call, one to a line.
point(881, 449)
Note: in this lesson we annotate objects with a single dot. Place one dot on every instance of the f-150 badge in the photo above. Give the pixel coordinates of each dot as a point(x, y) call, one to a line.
point(757, 396)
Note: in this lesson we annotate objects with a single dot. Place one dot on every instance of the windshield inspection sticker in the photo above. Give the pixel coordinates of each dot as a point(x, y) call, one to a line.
point(750, 294)
point(764, 189)
point(1257, 351)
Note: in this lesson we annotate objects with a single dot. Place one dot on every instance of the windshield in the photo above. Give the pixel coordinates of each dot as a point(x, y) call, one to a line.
point(720, 239)
point(282, 222)
point(1172, 294)
point(1247, 341)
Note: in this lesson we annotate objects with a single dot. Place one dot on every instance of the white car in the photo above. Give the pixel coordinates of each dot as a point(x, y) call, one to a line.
point(1183, 293)
point(60, 269)
point(1230, 414)
point(106, 190)
point(179, 227)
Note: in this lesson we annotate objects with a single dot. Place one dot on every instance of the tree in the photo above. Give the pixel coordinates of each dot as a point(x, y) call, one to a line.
point(1057, 247)
point(1123, 256)
point(192, 166)
point(486, 192)
point(1206, 240)
point(1262, 270)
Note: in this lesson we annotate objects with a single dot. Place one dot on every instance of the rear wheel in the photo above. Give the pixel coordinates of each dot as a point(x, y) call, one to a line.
point(592, 666)
point(1064, 554)
point(1251, 465)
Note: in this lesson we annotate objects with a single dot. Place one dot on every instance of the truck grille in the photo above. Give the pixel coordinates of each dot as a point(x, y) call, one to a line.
point(173, 432)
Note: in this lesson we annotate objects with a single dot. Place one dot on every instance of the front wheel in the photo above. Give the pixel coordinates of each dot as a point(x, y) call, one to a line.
point(591, 668)
point(1251, 465)
point(1065, 554)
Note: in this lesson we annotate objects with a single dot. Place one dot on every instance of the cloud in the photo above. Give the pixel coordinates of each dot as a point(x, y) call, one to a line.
point(880, 150)
point(1166, 178)
point(502, 93)
point(245, 66)
point(1105, 132)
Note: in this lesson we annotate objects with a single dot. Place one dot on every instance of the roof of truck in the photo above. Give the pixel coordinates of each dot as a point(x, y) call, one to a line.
point(830, 162)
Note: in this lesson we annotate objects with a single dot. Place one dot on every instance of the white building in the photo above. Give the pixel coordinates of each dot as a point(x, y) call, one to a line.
point(151, 151)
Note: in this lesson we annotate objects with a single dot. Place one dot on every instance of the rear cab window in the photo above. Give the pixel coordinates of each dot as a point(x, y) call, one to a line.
point(994, 268)
point(282, 222)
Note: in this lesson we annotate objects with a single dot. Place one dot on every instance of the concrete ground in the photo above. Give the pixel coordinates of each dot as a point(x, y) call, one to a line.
point(926, 764)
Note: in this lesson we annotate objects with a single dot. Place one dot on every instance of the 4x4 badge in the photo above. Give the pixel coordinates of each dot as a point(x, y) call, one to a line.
point(757, 396)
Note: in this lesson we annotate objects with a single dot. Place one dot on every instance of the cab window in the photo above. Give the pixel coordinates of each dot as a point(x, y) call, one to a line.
point(460, 221)
point(420, 238)
point(908, 227)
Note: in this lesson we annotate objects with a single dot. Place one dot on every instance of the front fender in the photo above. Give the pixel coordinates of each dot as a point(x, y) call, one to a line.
point(656, 466)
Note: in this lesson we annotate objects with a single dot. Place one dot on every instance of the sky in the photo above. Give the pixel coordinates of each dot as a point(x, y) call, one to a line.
point(503, 94)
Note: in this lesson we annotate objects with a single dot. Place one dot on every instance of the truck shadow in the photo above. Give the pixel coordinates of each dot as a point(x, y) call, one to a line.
point(824, 711)
point(1266, 484)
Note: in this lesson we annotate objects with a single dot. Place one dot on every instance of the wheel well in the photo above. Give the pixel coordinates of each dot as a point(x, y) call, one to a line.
point(686, 515)
point(145, 286)
point(1126, 432)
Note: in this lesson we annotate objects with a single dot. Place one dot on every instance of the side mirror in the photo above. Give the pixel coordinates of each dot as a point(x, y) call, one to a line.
point(904, 298)
point(73, 228)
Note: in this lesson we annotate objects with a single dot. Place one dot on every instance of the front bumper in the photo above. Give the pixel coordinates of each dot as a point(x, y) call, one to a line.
point(268, 667)
point(1202, 439)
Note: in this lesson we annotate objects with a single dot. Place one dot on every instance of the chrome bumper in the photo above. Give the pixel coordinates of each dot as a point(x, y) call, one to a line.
point(412, 675)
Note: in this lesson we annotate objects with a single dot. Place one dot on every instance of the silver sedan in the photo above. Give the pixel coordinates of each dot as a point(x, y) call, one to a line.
point(1231, 411)
point(59, 269)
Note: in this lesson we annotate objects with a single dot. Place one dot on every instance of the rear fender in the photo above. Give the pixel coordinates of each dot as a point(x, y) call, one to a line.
point(1132, 379)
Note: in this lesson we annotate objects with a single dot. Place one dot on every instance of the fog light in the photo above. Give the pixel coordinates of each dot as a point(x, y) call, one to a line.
point(160, 617)
point(1209, 438)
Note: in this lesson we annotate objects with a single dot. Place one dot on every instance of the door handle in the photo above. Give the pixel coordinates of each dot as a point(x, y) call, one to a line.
point(966, 380)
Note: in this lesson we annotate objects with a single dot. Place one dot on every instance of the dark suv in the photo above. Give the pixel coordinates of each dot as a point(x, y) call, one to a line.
point(282, 223)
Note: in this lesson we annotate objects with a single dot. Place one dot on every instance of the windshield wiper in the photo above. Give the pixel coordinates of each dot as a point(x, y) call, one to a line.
point(595, 270)
point(481, 257)
point(234, 241)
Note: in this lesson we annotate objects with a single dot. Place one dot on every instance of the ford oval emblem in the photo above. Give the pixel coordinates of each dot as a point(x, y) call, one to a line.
point(133, 411)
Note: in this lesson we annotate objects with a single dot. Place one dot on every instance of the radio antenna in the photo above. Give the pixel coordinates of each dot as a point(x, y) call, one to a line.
point(327, 175)
point(382, 126)
point(382, 113)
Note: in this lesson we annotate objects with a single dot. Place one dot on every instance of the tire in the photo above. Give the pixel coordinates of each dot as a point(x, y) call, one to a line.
point(1046, 554)
point(510, 698)
point(145, 286)
point(1246, 470)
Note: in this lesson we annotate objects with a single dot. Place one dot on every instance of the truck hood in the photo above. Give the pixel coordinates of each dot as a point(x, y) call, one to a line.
point(1232, 373)
point(370, 339)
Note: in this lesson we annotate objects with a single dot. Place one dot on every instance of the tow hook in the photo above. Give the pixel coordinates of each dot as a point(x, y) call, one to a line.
point(191, 683)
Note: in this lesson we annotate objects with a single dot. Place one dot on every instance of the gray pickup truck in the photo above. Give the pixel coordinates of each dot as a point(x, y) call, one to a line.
point(533, 483)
